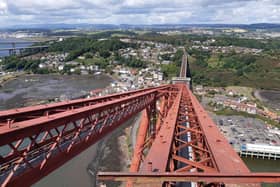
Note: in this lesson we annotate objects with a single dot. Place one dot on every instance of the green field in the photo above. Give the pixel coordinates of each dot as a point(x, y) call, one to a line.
point(263, 73)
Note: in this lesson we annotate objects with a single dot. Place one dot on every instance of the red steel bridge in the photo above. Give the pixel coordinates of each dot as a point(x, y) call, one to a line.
point(177, 142)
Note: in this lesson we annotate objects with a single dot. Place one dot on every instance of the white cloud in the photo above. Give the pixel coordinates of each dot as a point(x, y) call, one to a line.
point(138, 11)
point(3, 7)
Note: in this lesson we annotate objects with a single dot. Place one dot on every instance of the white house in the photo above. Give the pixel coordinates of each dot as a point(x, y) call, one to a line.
point(160, 76)
point(41, 65)
point(81, 57)
point(166, 62)
point(60, 67)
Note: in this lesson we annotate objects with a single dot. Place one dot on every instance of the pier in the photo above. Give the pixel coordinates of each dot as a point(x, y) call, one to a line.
point(260, 151)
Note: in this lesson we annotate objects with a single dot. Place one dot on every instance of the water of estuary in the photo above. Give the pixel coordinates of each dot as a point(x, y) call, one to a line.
point(30, 89)
point(271, 98)
point(8, 45)
point(263, 165)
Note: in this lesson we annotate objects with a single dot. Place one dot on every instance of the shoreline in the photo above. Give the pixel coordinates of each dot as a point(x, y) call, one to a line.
point(269, 98)
point(34, 82)
point(9, 77)
point(92, 160)
point(258, 96)
point(112, 154)
point(114, 78)
point(6, 78)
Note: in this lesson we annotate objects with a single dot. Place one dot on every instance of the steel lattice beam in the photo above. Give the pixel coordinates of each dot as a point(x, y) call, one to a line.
point(33, 147)
point(190, 148)
point(9, 117)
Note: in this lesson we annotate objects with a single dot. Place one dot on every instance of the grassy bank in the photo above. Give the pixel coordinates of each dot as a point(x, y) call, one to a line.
point(262, 72)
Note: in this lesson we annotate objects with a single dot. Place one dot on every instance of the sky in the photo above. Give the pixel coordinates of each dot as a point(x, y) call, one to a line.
point(26, 12)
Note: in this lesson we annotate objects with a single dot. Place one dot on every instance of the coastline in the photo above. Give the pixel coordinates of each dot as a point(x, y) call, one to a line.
point(88, 162)
point(114, 78)
point(269, 98)
point(6, 78)
point(115, 151)
point(98, 157)
point(112, 154)
point(23, 89)
point(258, 96)
point(9, 77)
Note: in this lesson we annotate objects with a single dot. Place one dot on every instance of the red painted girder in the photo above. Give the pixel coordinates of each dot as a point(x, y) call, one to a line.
point(29, 127)
point(32, 128)
point(226, 159)
point(158, 154)
point(140, 142)
point(160, 177)
point(26, 113)
point(194, 164)
point(161, 114)
point(32, 176)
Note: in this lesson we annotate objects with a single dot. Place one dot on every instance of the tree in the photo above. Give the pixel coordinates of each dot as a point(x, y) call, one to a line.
point(88, 55)
point(105, 54)
point(170, 70)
